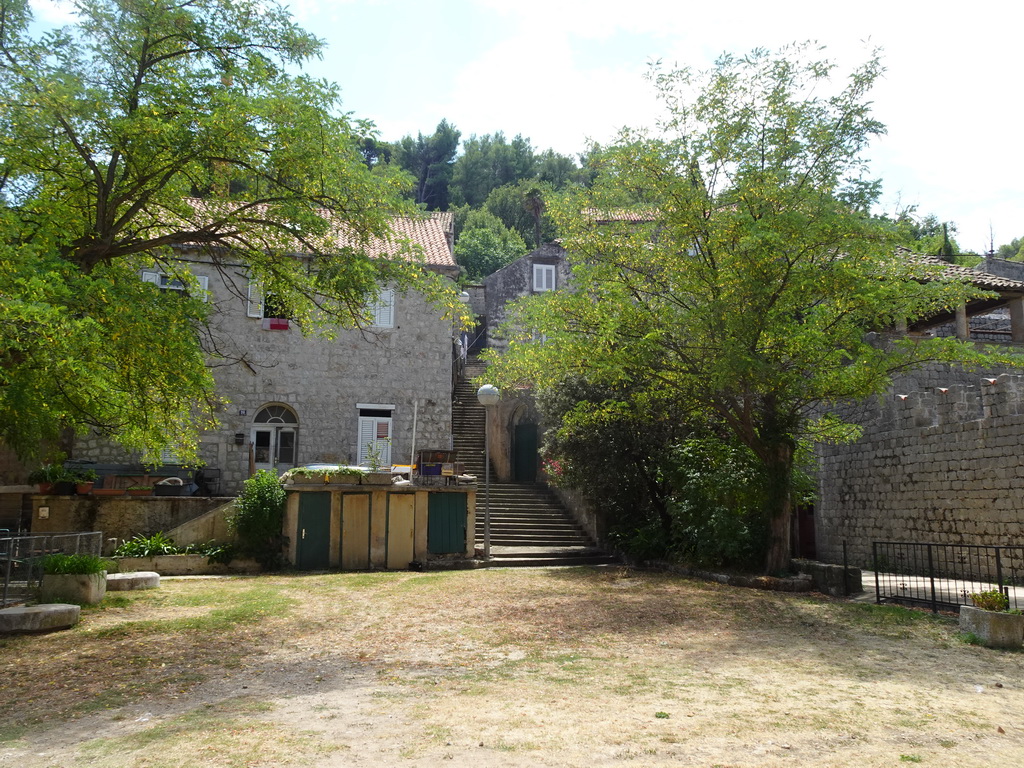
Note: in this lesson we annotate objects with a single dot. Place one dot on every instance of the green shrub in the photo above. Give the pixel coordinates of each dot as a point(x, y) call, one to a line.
point(992, 600)
point(147, 546)
point(61, 564)
point(259, 515)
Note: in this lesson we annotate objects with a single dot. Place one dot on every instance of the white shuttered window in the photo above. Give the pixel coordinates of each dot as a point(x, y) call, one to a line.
point(382, 310)
point(543, 277)
point(375, 431)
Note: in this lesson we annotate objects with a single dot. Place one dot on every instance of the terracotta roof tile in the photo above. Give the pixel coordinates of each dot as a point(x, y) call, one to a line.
point(433, 233)
point(984, 280)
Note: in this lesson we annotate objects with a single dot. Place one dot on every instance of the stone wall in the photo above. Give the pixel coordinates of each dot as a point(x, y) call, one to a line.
point(515, 281)
point(119, 518)
point(322, 380)
point(941, 460)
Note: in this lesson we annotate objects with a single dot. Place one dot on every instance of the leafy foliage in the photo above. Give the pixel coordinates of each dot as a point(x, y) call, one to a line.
point(488, 162)
point(259, 517)
point(991, 600)
point(430, 159)
point(143, 129)
point(746, 274)
point(486, 245)
point(72, 564)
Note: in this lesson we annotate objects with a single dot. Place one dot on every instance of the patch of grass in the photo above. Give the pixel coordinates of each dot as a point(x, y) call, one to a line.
point(910, 758)
point(230, 734)
point(240, 607)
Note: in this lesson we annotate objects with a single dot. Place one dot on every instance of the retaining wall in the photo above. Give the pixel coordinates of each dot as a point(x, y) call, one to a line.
point(941, 460)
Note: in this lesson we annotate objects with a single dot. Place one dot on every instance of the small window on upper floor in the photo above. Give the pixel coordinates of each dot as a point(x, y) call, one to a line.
point(543, 277)
point(382, 309)
point(168, 283)
point(266, 306)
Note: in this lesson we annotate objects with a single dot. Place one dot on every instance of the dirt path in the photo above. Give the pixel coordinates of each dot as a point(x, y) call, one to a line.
point(550, 667)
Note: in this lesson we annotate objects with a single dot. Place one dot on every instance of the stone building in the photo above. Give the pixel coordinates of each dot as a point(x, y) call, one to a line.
point(941, 457)
point(296, 400)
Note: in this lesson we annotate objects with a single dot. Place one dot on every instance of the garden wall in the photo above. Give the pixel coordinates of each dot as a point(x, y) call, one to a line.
point(941, 459)
point(119, 517)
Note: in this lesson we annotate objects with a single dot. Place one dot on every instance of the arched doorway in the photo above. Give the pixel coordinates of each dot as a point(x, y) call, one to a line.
point(275, 438)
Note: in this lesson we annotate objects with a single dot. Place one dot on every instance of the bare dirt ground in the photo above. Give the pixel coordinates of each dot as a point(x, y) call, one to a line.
point(545, 667)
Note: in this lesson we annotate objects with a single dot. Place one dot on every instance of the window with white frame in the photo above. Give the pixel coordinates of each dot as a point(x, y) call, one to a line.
point(543, 277)
point(170, 283)
point(382, 309)
point(375, 423)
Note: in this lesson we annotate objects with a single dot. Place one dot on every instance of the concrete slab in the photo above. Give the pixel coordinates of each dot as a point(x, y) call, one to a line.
point(123, 582)
point(46, 617)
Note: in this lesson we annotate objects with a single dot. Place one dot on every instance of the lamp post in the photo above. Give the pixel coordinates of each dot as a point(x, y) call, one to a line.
point(488, 395)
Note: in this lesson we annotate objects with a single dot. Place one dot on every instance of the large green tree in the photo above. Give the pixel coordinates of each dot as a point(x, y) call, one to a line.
point(486, 245)
point(749, 278)
point(488, 162)
point(430, 159)
point(147, 127)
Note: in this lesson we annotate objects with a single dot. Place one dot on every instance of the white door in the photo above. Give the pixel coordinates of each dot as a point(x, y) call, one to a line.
point(274, 438)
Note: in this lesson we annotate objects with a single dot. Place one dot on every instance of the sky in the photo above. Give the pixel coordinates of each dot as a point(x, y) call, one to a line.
point(562, 72)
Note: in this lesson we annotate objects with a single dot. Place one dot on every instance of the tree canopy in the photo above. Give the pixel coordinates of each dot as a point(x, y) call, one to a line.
point(148, 127)
point(731, 263)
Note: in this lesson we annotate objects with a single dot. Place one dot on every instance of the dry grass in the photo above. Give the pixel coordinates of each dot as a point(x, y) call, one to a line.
point(559, 667)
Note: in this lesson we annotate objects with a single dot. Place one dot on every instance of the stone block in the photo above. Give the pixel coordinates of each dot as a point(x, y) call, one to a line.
point(81, 588)
point(995, 629)
point(38, 618)
point(123, 582)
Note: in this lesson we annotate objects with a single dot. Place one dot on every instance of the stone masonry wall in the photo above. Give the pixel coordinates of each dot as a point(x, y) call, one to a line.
point(941, 460)
point(322, 380)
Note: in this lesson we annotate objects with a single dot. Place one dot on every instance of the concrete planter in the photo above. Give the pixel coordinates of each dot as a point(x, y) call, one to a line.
point(185, 565)
point(377, 478)
point(995, 629)
point(78, 588)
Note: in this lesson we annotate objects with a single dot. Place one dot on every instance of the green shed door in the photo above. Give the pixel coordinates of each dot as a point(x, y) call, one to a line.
point(314, 547)
point(446, 523)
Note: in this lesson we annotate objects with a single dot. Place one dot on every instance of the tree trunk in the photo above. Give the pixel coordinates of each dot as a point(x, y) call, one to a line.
point(779, 507)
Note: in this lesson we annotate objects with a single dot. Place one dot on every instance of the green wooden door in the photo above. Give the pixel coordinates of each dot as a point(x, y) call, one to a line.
point(446, 523)
point(314, 546)
point(525, 453)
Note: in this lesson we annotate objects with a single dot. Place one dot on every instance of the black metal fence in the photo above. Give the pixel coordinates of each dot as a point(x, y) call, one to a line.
point(943, 576)
point(21, 560)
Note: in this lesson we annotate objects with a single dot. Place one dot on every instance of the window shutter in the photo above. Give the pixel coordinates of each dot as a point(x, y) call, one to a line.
point(254, 306)
point(384, 309)
point(367, 429)
point(374, 430)
point(543, 277)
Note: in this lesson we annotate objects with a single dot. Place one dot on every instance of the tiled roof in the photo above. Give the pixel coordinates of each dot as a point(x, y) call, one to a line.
point(432, 232)
point(621, 214)
point(984, 280)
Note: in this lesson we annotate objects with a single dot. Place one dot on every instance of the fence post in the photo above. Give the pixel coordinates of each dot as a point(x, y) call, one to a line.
point(874, 564)
point(931, 578)
point(846, 580)
point(999, 575)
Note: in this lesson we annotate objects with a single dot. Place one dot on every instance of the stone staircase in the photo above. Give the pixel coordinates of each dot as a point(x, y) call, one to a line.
point(529, 526)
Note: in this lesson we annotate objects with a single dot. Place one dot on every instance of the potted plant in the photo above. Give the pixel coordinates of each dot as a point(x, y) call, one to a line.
point(80, 579)
point(85, 479)
point(322, 474)
point(53, 478)
point(139, 490)
point(991, 621)
point(380, 473)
